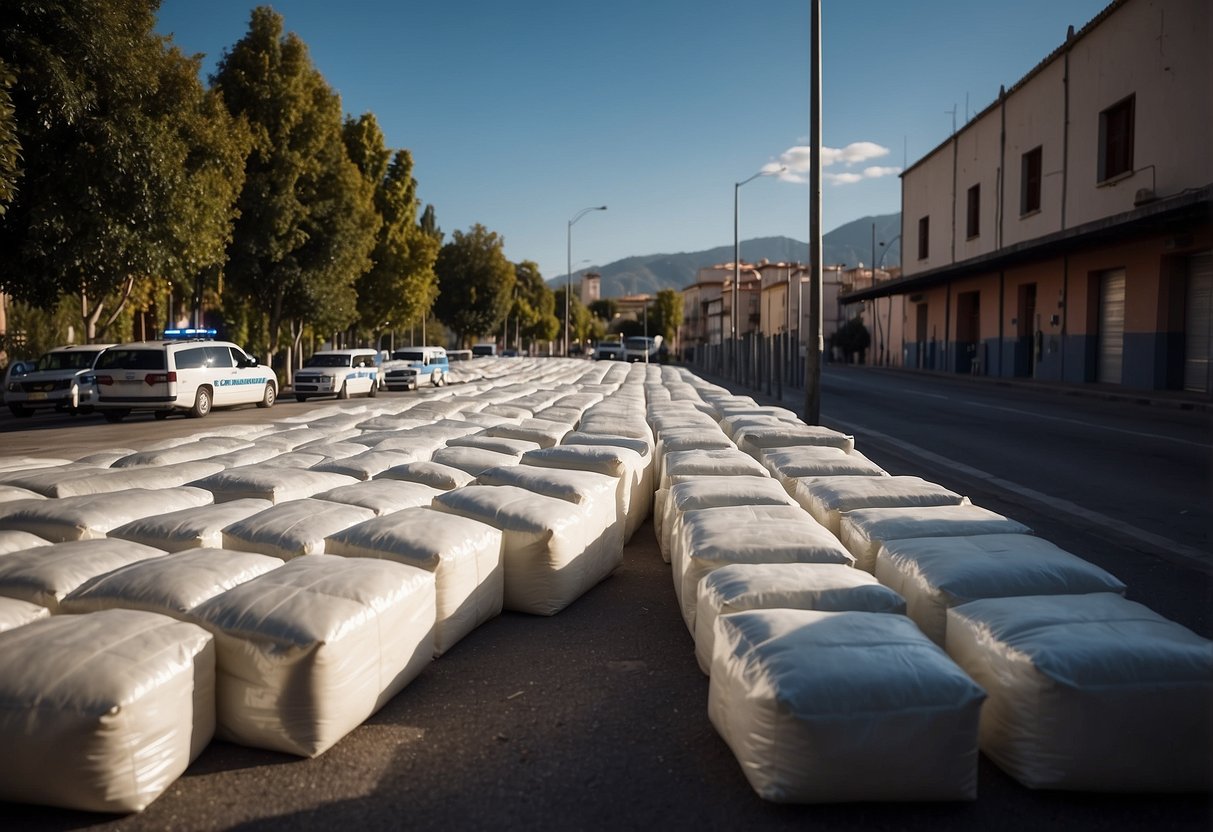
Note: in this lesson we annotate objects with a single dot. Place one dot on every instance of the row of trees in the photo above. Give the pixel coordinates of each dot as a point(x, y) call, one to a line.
point(131, 191)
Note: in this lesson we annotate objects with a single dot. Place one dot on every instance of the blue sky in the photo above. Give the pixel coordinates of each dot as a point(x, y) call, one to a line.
point(521, 114)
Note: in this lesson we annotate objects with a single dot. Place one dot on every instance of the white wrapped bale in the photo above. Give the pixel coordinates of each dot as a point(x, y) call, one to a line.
point(418, 447)
point(548, 561)
point(171, 585)
point(382, 496)
point(826, 587)
point(291, 460)
point(245, 456)
point(642, 446)
point(198, 449)
point(826, 498)
point(302, 657)
point(331, 448)
point(17, 613)
point(708, 462)
point(463, 554)
point(864, 530)
point(634, 492)
point(755, 438)
point(473, 460)
point(500, 444)
point(1089, 692)
point(294, 529)
point(15, 541)
point(123, 479)
point(367, 464)
point(104, 711)
point(94, 516)
point(934, 574)
point(47, 574)
point(428, 472)
point(787, 464)
point(711, 492)
point(541, 431)
point(707, 539)
point(9, 493)
point(189, 528)
point(826, 707)
point(263, 482)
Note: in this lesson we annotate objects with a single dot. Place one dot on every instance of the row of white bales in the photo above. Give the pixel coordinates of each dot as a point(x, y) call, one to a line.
point(819, 591)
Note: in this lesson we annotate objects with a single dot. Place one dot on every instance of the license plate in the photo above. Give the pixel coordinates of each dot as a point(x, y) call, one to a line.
point(37, 397)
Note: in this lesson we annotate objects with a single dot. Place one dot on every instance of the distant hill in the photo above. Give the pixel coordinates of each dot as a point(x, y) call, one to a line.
point(648, 274)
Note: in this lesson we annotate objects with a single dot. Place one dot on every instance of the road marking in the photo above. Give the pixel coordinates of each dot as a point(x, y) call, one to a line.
point(1199, 557)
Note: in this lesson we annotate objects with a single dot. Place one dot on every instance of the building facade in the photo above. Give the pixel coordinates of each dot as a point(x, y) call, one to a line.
point(1065, 233)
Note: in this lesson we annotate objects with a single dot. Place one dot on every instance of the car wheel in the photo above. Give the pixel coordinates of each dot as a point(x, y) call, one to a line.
point(116, 416)
point(299, 397)
point(202, 403)
point(20, 410)
point(161, 415)
point(436, 378)
point(268, 397)
point(344, 392)
point(374, 391)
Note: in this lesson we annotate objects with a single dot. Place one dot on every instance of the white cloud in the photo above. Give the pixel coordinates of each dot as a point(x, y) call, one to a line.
point(797, 160)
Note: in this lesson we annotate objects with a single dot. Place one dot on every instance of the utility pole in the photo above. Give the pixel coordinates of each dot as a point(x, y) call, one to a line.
point(816, 343)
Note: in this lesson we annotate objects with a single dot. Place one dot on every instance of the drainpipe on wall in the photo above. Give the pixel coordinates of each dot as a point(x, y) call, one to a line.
point(1065, 126)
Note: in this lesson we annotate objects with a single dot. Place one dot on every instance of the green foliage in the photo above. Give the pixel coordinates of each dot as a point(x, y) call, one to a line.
point(665, 315)
point(580, 320)
point(852, 338)
point(535, 304)
point(475, 282)
point(10, 145)
point(307, 223)
point(605, 309)
point(32, 329)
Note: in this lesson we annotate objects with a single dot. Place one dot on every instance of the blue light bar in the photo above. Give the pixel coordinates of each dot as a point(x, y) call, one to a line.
point(190, 333)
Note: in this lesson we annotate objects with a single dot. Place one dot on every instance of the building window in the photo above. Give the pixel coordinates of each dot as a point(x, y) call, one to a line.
point(1029, 182)
point(1116, 140)
point(974, 223)
point(924, 237)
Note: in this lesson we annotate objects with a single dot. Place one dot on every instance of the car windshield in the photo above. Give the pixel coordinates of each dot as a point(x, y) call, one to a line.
point(120, 359)
point(329, 360)
point(638, 343)
point(81, 360)
point(408, 355)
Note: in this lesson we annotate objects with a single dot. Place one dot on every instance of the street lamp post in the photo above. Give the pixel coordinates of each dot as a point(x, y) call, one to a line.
point(568, 277)
point(733, 317)
point(886, 355)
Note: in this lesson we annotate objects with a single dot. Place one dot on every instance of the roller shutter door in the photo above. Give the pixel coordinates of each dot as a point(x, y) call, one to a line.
point(1111, 326)
point(1198, 324)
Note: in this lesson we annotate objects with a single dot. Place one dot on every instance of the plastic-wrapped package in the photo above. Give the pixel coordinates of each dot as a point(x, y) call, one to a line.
point(709, 538)
point(15, 541)
point(710, 492)
point(331, 448)
point(835, 707)
point(9, 493)
point(463, 554)
point(109, 480)
point(265, 482)
point(541, 431)
point(500, 444)
point(428, 472)
point(490, 420)
point(736, 421)
point(291, 530)
point(548, 561)
point(510, 411)
point(633, 494)
point(198, 449)
point(17, 613)
point(367, 464)
point(1089, 692)
point(642, 446)
point(189, 528)
point(251, 455)
point(382, 496)
point(46, 574)
point(171, 585)
point(754, 439)
point(301, 654)
point(826, 587)
point(597, 494)
point(94, 515)
point(103, 711)
point(713, 462)
point(473, 460)
point(285, 440)
point(565, 415)
point(936, 573)
point(291, 460)
point(865, 529)
point(787, 464)
point(826, 498)
point(419, 447)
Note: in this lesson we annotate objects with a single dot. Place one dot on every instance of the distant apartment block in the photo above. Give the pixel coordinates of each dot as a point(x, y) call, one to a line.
point(1065, 233)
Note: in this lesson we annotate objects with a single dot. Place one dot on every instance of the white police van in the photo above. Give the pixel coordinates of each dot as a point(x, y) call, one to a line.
point(60, 380)
point(186, 373)
point(420, 365)
point(340, 373)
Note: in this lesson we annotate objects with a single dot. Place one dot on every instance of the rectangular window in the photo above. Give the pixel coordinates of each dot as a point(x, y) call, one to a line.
point(974, 223)
point(1029, 182)
point(924, 237)
point(1116, 139)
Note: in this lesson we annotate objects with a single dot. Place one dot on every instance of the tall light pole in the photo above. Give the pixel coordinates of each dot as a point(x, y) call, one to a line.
point(568, 277)
point(813, 349)
point(886, 356)
point(733, 318)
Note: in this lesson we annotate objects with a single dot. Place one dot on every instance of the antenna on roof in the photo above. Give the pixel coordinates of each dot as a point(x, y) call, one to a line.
point(953, 112)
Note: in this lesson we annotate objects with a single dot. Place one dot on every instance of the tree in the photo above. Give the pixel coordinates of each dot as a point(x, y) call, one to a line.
point(534, 303)
point(400, 286)
point(128, 166)
point(665, 315)
point(605, 309)
point(10, 145)
point(580, 319)
point(852, 338)
point(307, 223)
point(475, 282)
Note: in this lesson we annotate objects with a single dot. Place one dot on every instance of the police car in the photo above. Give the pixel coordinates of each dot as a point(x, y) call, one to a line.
point(412, 366)
point(186, 373)
point(61, 380)
point(339, 373)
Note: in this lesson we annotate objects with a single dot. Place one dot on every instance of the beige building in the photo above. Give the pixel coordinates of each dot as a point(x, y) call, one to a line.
point(591, 288)
point(1065, 232)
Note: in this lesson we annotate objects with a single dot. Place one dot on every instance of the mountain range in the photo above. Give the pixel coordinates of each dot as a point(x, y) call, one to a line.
point(850, 244)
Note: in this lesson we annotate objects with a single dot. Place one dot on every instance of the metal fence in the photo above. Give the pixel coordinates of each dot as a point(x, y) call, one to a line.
point(763, 363)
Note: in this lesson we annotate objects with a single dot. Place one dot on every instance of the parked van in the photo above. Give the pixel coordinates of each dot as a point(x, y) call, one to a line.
point(421, 365)
point(640, 348)
point(190, 376)
point(339, 373)
point(61, 380)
